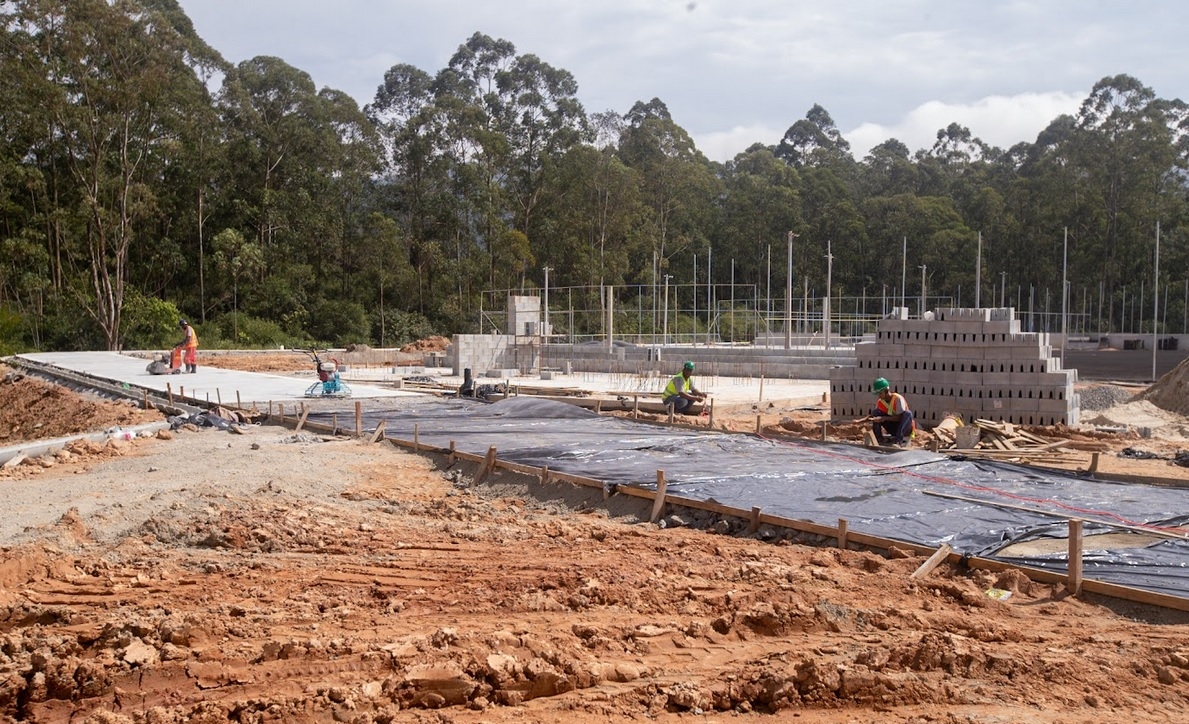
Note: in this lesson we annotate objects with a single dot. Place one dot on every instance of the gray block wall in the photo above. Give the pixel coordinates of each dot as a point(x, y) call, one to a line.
point(973, 362)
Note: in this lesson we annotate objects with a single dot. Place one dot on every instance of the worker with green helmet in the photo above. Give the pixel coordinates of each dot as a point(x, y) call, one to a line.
point(891, 417)
point(680, 392)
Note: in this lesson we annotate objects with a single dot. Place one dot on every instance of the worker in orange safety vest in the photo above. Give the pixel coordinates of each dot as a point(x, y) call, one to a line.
point(891, 417)
point(188, 346)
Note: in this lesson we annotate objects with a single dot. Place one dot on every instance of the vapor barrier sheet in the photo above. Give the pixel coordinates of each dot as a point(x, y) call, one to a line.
point(879, 494)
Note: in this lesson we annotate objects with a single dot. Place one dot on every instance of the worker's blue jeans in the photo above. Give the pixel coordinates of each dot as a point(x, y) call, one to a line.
point(678, 402)
point(898, 430)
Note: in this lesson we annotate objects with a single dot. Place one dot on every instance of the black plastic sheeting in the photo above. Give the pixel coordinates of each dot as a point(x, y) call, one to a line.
point(878, 493)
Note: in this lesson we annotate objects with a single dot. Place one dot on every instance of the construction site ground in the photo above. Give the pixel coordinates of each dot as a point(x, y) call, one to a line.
point(204, 576)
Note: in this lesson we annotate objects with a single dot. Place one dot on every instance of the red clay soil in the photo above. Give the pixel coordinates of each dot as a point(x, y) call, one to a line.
point(31, 409)
point(397, 592)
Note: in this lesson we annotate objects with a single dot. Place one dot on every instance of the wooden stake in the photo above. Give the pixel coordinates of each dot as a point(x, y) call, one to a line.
point(146, 399)
point(218, 396)
point(759, 427)
point(635, 407)
point(358, 419)
point(334, 423)
point(599, 406)
point(1094, 462)
point(450, 457)
point(824, 423)
point(379, 433)
point(842, 531)
point(488, 465)
point(1075, 556)
point(544, 475)
point(239, 405)
point(302, 420)
point(182, 391)
point(658, 503)
point(416, 437)
point(281, 408)
point(761, 388)
point(754, 525)
point(934, 561)
point(711, 414)
point(670, 414)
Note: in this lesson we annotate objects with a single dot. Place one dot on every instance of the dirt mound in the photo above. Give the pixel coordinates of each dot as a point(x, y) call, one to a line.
point(31, 409)
point(429, 344)
point(1171, 392)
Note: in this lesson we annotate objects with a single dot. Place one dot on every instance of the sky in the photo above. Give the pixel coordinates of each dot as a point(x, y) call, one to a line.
point(738, 72)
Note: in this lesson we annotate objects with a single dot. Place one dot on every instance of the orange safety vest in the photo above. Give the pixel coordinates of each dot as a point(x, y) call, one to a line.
point(191, 338)
point(887, 409)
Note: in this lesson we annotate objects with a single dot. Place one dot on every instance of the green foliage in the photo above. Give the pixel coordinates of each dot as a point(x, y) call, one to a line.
point(403, 327)
point(246, 332)
point(149, 323)
point(12, 337)
point(339, 323)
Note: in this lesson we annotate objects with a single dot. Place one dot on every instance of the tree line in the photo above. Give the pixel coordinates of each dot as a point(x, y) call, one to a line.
point(143, 177)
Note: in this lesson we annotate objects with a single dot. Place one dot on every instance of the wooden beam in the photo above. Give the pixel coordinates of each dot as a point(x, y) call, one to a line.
point(658, 503)
point(453, 453)
point(416, 436)
point(759, 427)
point(380, 432)
point(635, 407)
point(843, 527)
point(1075, 556)
point(934, 561)
point(302, 421)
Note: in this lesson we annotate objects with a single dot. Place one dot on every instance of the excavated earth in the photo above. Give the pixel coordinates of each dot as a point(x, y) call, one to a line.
point(208, 577)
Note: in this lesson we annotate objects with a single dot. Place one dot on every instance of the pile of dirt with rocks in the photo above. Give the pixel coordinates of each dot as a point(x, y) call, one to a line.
point(429, 344)
point(1171, 392)
point(31, 409)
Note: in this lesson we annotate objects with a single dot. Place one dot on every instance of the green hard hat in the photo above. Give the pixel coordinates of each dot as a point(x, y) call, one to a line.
point(879, 385)
point(688, 366)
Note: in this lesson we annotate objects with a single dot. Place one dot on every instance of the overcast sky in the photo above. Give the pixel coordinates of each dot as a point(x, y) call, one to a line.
point(734, 72)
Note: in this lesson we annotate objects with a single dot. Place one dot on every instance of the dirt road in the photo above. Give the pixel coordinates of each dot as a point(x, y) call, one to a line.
point(283, 579)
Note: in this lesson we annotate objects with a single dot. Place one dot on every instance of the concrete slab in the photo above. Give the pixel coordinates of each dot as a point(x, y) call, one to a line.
point(207, 382)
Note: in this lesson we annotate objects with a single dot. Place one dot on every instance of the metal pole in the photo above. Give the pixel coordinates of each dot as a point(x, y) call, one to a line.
point(1064, 290)
point(665, 313)
point(694, 336)
point(903, 272)
point(826, 305)
point(545, 329)
point(978, 273)
point(788, 297)
point(922, 311)
point(1003, 289)
point(1155, 300)
point(709, 293)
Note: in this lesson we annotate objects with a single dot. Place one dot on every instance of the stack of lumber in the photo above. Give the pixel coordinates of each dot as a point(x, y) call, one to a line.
point(1005, 441)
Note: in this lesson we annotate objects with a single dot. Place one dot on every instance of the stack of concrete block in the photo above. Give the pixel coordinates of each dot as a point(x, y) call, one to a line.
point(972, 362)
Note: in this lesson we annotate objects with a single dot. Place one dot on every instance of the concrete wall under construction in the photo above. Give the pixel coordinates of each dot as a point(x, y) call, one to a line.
point(503, 352)
point(973, 362)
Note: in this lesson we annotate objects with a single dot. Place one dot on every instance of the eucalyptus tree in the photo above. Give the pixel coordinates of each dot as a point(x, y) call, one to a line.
point(114, 91)
point(677, 187)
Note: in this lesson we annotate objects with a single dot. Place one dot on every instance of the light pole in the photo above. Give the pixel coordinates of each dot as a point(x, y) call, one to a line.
point(665, 323)
point(788, 297)
point(545, 328)
point(924, 268)
point(1002, 289)
point(826, 305)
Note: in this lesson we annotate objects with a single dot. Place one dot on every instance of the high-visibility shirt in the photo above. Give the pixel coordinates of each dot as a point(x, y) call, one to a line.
point(895, 406)
point(191, 338)
point(676, 386)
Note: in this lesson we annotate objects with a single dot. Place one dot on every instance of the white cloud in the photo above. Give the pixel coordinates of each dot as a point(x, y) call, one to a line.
point(724, 145)
point(1001, 121)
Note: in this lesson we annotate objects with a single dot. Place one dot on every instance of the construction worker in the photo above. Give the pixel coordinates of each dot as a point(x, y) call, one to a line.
point(680, 392)
point(188, 346)
point(891, 416)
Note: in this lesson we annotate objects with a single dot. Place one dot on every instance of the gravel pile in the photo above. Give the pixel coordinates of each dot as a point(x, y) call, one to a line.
point(1104, 397)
